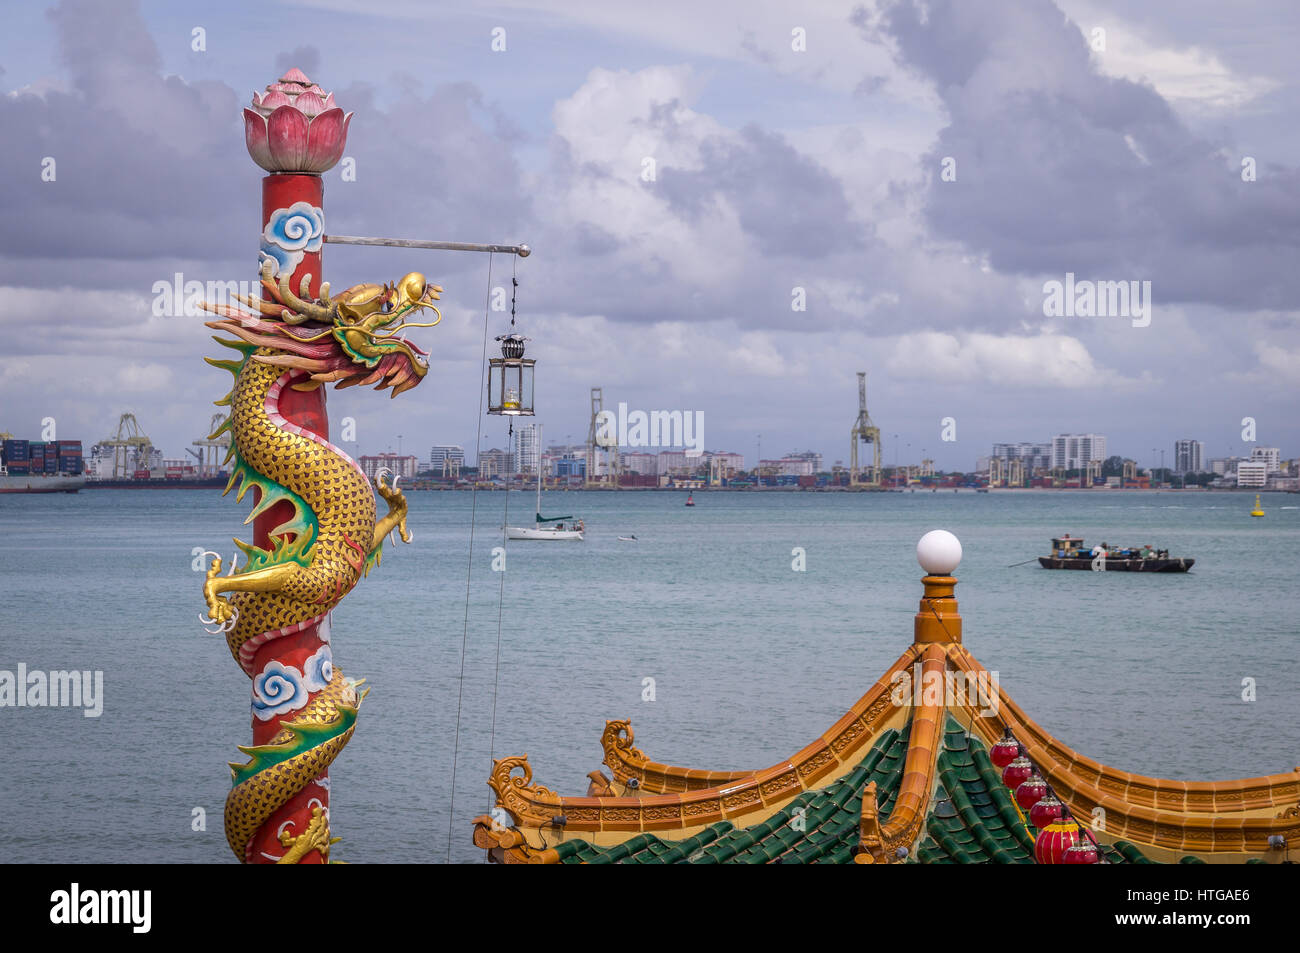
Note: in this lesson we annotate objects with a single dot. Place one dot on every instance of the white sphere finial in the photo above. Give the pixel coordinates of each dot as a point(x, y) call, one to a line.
point(938, 552)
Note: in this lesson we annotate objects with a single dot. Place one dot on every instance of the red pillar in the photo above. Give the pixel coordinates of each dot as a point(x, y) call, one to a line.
point(296, 133)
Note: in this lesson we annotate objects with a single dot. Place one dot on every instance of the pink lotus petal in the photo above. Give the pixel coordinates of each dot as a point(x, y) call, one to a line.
point(255, 137)
point(310, 104)
point(316, 89)
point(326, 139)
point(295, 75)
point(329, 101)
point(287, 131)
point(274, 99)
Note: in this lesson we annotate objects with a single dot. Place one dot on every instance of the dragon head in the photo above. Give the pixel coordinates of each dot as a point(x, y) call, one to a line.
point(351, 338)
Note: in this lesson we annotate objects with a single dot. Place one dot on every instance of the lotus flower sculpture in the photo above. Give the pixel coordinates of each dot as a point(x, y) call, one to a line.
point(295, 126)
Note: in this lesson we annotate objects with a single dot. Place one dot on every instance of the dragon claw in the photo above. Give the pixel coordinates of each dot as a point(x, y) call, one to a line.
point(220, 626)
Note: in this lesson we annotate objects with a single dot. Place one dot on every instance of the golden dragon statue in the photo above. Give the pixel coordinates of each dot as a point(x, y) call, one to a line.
point(333, 537)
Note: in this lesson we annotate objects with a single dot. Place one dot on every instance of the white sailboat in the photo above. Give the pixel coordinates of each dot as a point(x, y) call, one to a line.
point(546, 528)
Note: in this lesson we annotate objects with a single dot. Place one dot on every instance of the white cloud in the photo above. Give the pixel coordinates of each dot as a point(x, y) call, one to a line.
point(1187, 76)
point(1014, 361)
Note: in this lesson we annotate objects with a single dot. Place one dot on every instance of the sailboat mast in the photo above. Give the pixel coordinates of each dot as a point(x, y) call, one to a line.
point(539, 471)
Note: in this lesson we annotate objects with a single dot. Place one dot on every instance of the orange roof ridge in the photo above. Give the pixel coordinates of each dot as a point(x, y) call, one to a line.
point(753, 793)
point(1211, 816)
point(912, 804)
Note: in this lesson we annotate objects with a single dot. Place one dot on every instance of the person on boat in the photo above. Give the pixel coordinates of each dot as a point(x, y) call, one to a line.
point(581, 526)
point(559, 527)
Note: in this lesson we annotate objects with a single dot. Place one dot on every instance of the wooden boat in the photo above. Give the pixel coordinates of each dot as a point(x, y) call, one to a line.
point(1068, 552)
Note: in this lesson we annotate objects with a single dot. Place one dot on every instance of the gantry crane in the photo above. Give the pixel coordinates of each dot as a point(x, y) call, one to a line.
point(213, 449)
point(608, 450)
point(130, 446)
point(864, 431)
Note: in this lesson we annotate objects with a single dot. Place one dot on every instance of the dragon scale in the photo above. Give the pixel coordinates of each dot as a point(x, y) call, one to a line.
point(330, 536)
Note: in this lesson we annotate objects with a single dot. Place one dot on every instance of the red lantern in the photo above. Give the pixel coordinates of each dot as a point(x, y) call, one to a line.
point(1055, 839)
point(1017, 772)
point(1031, 792)
point(1084, 852)
point(1046, 811)
point(1005, 751)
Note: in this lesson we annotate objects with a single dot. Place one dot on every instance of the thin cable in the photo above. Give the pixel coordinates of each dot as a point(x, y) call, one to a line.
point(469, 565)
point(501, 595)
point(505, 536)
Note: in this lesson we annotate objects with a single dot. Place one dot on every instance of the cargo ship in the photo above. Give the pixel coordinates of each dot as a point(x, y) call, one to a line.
point(1068, 553)
point(40, 466)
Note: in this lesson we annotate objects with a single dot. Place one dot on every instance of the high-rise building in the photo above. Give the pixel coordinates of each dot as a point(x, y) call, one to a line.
point(813, 457)
point(1032, 455)
point(736, 462)
point(1252, 473)
point(403, 466)
point(1189, 456)
point(446, 456)
point(1270, 456)
point(494, 463)
point(1074, 451)
point(646, 464)
point(526, 449)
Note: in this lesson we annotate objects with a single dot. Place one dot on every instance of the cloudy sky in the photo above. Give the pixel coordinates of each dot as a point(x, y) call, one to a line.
point(794, 146)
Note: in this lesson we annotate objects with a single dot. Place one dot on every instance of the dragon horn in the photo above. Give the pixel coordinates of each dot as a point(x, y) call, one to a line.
point(310, 309)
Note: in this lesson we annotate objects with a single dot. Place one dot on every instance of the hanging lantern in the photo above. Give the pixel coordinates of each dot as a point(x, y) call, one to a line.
point(1005, 751)
point(1046, 811)
point(1031, 791)
point(510, 379)
point(1084, 852)
point(1017, 772)
point(1055, 839)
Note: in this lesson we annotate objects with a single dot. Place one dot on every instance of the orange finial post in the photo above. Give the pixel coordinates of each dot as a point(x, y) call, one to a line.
point(937, 619)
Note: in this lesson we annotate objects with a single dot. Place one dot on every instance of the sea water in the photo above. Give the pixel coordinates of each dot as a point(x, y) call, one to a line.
point(750, 656)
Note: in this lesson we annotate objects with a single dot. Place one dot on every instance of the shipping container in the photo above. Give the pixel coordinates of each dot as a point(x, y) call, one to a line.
point(18, 468)
point(140, 475)
point(51, 465)
point(70, 451)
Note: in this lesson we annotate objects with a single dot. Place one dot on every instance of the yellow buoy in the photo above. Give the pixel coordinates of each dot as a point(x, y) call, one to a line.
point(1257, 511)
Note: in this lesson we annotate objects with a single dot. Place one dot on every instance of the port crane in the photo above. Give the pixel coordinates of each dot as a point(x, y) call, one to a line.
point(864, 431)
point(213, 449)
point(601, 449)
point(130, 447)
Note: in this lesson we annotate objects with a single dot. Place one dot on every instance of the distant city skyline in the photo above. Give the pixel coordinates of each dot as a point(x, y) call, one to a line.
point(869, 203)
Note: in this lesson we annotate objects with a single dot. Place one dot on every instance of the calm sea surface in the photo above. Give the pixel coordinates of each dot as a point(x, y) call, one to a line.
point(750, 659)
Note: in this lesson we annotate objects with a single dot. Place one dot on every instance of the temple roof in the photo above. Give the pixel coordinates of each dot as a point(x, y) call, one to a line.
point(905, 776)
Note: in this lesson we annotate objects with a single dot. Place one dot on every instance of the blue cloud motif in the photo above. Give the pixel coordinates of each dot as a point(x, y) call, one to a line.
point(292, 232)
point(318, 670)
point(277, 689)
point(285, 261)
